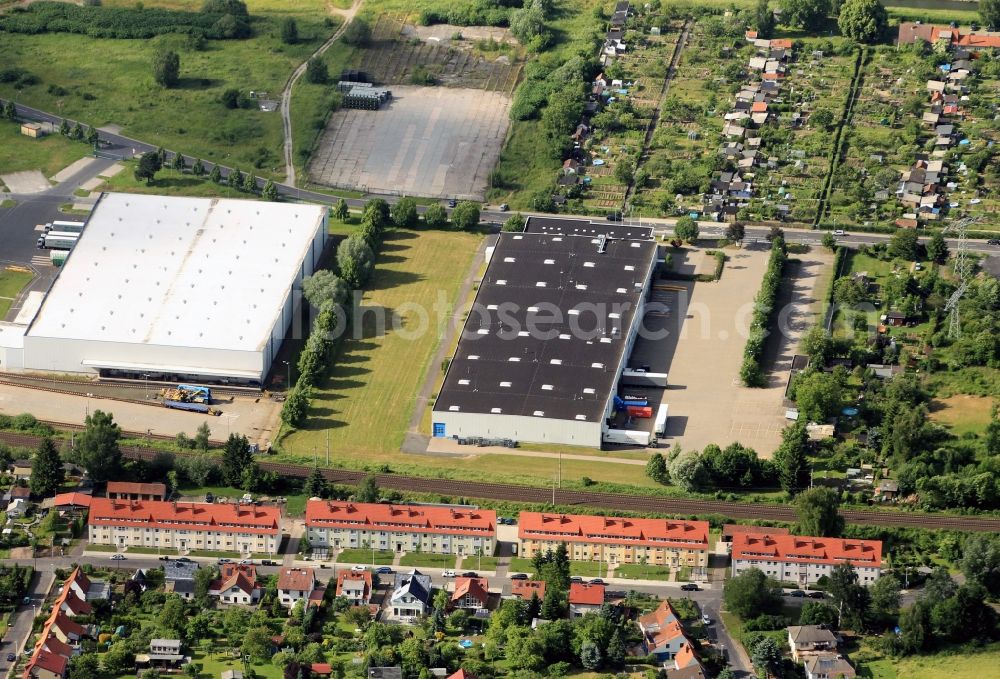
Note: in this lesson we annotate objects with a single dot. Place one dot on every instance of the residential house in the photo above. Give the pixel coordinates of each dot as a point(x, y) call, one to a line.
point(829, 666)
point(401, 528)
point(21, 470)
point(19, 493)
point(126, 490)
point(85, 588)
point(295, 584)
point(70, 503)
point(894, 318)
point(806, 640)
point(471, 594)
point(179, 578)
point(355, 587)
point(321, 669)
point(665, 542)
point(52, 644)
point(17, 508)
point(411, 595)
point(163, 653)
point(45, 665)
point(585, 598)
point(462, 674)
point(64, 629)
point(887, 489)
point(685, 664)
point(237, 584)
point(385, 673)
point(525, 589)
point(731, 529)
point(662, 634)
point(70, 602)
point(804, 559)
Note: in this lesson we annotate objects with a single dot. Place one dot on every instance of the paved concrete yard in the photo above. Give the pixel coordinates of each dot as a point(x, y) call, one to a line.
point(243, 416)
point(29, 181)
point(428, 141)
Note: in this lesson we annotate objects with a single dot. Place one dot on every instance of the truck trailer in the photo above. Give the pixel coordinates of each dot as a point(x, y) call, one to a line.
point(628, 437)
point(191, 407)
point(660, 424)
point(65, 227)
point(58, 240)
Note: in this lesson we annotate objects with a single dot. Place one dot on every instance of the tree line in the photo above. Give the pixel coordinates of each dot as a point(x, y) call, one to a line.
point(752, 373)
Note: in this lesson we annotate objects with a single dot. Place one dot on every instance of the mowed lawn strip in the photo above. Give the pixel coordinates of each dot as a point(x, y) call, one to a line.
point(364, 556)
point(364, 405)
point(11, 284)
point(49, 154)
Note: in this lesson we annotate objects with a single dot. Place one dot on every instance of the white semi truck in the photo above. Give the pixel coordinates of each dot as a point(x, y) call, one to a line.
point(58, 240)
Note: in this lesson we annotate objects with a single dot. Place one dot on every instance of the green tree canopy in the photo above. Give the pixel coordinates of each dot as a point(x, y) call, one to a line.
point(751, 593)
point(807, 14)
point(97, 447)
point(289, 31)
point(818, 395)
point(435, 216)
point(865, 21)
point(358, 33)
point(236, 457)
point(167, 68)
point(686, 229)
point(937, 248)
point(817, 509)
point(404, 213)
point(465, 216)
point(47, 472)
point(355, 260)
point(323, 287)
point(904, 244)
point(989, 12)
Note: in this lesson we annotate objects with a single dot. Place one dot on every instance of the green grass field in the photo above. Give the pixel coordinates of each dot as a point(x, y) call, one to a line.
point(366, 402)
point(476, 563)
point(364, 556)
point(12, 281)
point(76, 80)
point(519, 565)
point(640, 572)
point(418, 560)
point(962, 413)
point(49, 154)
point(961, 664)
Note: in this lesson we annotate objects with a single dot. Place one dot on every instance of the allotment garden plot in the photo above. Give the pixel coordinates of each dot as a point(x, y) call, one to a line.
point(920, 146)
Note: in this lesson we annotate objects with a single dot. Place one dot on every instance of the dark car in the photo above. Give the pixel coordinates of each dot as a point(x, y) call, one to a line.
point(185, 559)
point(209, 498)
point(614, 216)
point(689, 587)
point(596, 581)
point(576, 578)
point(816, 595)
point(383, 570)
point(470, 574)
point(11, 657)
point(452, 202)
point(797, 593)
point(224, 560)
point(268, 562)
point(165, 558)
point(519, 576)
point(993, 241)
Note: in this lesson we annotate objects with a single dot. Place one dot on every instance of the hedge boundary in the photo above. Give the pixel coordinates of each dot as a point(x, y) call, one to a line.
point(751, 373)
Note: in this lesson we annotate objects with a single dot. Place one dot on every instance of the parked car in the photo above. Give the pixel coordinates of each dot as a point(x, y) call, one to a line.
point(117, 557)
point(470, 574)
point(11, 657)
point(705, 620)
point(358, 568)
point(797, 593)
point(993, 241)
point(185, 559)
point(449, 573)
point(614, 216)
point(816, 595)
point(323, 565)
point(164, 558)
point(224, 560)
point(597, 581)
point(504, 207)
point(209, 498)
point(838, 232)
point(383, 570)
point(576, 578)
point(452, 202)
point(689, 587)
point(268, 562)
point(519, 576)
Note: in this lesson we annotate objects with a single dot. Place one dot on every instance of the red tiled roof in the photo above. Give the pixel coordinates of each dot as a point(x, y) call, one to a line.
point(731, 529)
point(321, 668)
point(660, 618)
point(62, 622)
point(70, 499)
point(51, 662)
point(230, 570)
point(406, 518)
point(462, 674)
point(758, 107)
point(20, 492)
point(751, 35)
point(365, 576)
point(80, 578)
point(781, 43)
point(613, 530)
point(911, 32)
point(300, 579)
point(586, 594)
point(685, 657)
point(477, 587)
point(137, 488)
point(666, 634)
point(800, 549)
point(523, 589)
point(237, 579)
point(223, 518)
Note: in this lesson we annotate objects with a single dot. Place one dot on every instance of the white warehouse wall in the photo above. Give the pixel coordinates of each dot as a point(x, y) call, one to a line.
point(521, 428)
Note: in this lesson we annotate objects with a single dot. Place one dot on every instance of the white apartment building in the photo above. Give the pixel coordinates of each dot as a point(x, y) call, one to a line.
point(804, 560)
point(401, 528)
point(184, 525)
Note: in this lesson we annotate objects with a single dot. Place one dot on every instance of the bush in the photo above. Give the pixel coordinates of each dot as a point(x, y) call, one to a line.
point(358, 33)
point(752, 373)
point(120, 22)
point(316, 71)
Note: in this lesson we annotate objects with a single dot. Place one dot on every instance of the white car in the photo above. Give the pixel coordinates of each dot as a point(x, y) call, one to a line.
point(705, 620)
point(838, 232)
point(117, 557)
point(358, 569)
point(449, 573)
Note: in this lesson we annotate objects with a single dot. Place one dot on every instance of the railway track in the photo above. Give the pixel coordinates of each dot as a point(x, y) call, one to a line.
point(593, 500)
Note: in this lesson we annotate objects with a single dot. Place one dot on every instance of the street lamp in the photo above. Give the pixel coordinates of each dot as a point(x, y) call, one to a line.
point(288, 375)
point(145, 377)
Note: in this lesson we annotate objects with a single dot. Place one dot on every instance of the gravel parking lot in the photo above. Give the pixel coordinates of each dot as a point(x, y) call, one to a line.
point(437, 142)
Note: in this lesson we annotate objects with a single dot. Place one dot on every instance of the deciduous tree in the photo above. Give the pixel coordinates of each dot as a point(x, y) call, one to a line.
point(686, 229)
point(751, 593)
point(97, 447)
point(817, 509)
point(166, 68)
point(289, 31)
point(465, 216)
point(864, 21)
point(404, 213)
point(937, 248)
point(47, 472)
point(149, 165)
point(436, 217)
point(807, 14)
point(341, 211)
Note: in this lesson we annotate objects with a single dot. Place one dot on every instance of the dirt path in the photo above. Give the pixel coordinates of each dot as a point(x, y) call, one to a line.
point(286, 94)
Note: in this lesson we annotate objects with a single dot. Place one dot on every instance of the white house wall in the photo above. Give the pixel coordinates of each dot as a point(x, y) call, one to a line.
point(521, 428)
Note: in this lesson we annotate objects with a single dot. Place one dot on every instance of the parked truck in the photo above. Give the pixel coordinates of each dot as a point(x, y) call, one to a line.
point(192, 407)
point(65, 227)
point(58, 257)
point(660, 424)
point(628, 437)
point(623, 402)
point(643, 378)
point(639, 411)
point(58, 240)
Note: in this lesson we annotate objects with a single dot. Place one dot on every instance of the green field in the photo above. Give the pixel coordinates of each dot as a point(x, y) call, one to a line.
point(49, 154)
point(366, 401)
point(519, 565)
point(640, 572)
point(964, 664)
point(382, 557)
point(476, 563)
point(75, 79)
point(12, 281)
point(418, 560)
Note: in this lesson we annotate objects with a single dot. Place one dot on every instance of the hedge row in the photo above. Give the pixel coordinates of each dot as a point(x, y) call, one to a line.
point(120, 22)
point(752, 373)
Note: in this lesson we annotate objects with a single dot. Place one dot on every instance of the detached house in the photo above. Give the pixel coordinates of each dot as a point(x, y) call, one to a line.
point(237, 584)
point(471, 594)
point(411, 595)
point(662, 634)
point(45, 665)
point(808, 640)
point(294, 585)
point(585, 598)
point(355, 587)
point(829, 666)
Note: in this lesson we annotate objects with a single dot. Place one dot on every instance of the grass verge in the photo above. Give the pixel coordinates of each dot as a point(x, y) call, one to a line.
point(382, 558)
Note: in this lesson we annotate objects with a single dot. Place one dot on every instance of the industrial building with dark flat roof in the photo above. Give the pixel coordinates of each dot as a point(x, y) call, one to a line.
point(548, 336)
point(564, 226)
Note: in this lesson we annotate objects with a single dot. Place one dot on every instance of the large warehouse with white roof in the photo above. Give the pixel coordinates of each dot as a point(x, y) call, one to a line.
point(177, 288)
point(549, 334)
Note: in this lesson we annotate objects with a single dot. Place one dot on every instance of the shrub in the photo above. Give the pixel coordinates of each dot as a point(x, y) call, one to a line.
point(751, 372)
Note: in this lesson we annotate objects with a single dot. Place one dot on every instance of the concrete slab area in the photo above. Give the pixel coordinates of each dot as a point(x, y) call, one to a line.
point(71, 169)
point(29, 181)
point(112, 171)
point(243, 416)
point(91, 184)
point(428, 141)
